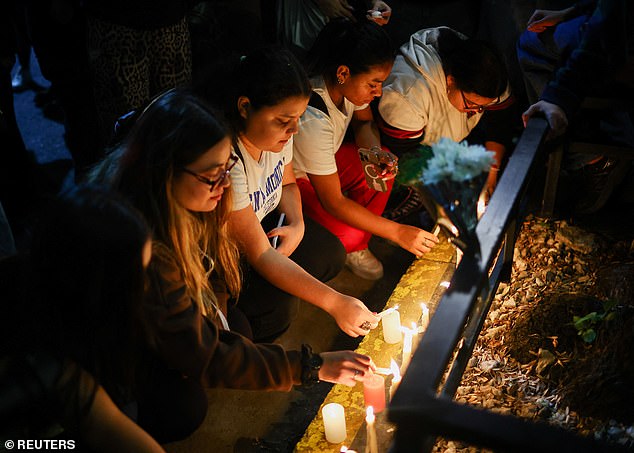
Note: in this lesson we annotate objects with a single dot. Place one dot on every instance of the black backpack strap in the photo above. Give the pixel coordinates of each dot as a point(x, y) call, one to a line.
point(316, 101)
point(236, 150)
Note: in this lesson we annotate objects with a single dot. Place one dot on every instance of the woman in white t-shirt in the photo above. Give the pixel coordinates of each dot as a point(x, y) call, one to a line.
point(351, 61)
point(267, 94)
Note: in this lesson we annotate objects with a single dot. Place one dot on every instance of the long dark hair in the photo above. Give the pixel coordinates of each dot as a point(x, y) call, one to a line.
point(475, 65)
point(358, 45)
point(267, 76)
point(174, 131)
point(87, 283)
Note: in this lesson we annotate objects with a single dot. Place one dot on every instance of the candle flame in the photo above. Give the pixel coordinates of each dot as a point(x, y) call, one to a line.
point(481, 207)
point(388, 311)
point(396, 373)
point(369, 417)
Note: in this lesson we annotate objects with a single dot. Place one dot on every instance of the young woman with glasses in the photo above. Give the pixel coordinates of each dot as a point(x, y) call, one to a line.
point(266, 93)
point(173, 168)
point(444, 84)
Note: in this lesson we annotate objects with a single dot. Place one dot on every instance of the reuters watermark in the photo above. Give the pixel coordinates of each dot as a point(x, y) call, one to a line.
point(39, 444)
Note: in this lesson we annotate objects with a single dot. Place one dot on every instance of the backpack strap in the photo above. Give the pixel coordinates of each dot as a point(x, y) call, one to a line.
point(316, 101)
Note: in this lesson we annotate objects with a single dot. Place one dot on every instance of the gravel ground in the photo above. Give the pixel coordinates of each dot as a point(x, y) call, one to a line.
point(529, 360)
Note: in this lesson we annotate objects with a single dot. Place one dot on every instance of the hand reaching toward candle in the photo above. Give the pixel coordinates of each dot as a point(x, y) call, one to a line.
point(414, 239)
point(352, 316)
point(345, 367)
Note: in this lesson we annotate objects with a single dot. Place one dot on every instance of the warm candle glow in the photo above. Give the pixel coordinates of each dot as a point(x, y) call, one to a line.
point(387, 311)
point(414, 336)
point(445, 284)
point(369, 414)
point(482, 206)
point(396, 378)
point(458, 256)
point(371, 445)
point(407, 347)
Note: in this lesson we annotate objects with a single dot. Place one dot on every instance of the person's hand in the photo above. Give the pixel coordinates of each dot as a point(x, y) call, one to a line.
point(289, 237)
point(542, 19)
point(492, 181)
point(556, 117)
point(352, 316)
point(335, 8)
point(415, 240)
point(345, 367)
point(379, 13)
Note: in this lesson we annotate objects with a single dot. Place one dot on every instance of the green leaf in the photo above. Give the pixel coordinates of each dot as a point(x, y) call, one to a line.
point(589, 335)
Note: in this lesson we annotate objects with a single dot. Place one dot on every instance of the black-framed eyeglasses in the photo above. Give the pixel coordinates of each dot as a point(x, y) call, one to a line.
point(473, 107)
point(213, 183)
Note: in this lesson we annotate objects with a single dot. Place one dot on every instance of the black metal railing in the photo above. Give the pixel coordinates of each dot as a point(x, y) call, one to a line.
point(423, 406)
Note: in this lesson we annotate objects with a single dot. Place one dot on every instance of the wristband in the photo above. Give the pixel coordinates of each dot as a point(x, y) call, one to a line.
point(311, 364)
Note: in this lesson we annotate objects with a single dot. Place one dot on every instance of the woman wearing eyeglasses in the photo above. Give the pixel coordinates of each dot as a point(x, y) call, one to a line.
point(266, 93)
point(174, 169)
point(441, 85)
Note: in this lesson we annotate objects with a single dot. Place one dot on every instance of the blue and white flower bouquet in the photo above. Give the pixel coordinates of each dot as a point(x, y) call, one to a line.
point(450, 176)
point(455, 176)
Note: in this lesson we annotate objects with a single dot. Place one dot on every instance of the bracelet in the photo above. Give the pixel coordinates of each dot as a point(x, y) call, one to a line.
point(311, 364)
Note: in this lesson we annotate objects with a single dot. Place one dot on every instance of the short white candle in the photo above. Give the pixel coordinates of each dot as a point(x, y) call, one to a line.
point(392, 327)
point(415, 337)
point(334, 423)
point(424, 317)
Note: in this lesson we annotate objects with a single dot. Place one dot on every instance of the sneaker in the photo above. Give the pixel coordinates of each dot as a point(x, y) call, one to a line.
point(364, 264)
point(403, 202)
point(599, 180)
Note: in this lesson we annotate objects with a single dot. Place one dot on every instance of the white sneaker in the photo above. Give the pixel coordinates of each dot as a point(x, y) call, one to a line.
point(364, 264)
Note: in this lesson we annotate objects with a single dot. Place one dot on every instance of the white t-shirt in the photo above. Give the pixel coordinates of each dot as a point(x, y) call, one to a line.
point(261, 184)
point(320, 135)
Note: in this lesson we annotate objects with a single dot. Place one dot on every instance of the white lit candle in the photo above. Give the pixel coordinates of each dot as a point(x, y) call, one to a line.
point(407, 348)
point(424, 317)
point(396, 378)
point(334, 422)
point(392, 326)
point(414, 337)
point(458, 256)
point(481, 206)
point(371, 445)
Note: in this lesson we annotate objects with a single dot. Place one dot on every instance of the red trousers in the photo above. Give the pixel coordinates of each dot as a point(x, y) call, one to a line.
point(354, 187)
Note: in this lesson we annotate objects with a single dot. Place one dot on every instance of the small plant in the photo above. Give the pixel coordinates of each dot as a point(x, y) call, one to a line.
point(586, 326)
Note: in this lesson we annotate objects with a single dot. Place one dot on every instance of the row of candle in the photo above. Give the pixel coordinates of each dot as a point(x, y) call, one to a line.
point(374, 385)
